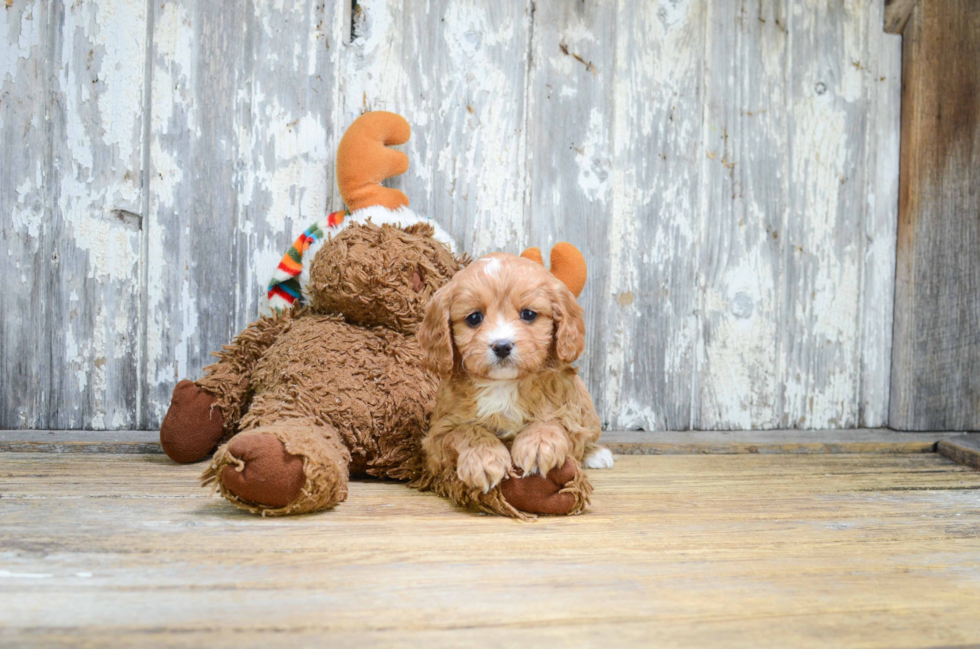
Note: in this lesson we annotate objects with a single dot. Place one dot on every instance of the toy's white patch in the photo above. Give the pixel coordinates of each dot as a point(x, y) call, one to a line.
point(491, 266)
point(498, 398)
point(402, 218)
point(599, 458)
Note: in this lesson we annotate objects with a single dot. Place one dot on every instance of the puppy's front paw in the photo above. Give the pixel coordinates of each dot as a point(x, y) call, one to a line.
point(483, 467)
point(539, 448)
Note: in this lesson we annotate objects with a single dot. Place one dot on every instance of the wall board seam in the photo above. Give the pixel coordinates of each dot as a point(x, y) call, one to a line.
point(142, 394)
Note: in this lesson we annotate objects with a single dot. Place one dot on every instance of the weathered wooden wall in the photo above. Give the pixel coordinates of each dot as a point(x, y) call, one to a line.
point(728, 167)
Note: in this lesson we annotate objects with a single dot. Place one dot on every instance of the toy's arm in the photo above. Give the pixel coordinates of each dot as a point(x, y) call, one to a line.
point(229, 379)
point(206, 411)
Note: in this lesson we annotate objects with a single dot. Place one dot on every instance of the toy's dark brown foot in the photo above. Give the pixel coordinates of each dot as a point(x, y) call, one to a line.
point(281, 469)
point(192, 427)
point(263, 472)
point(565, 490)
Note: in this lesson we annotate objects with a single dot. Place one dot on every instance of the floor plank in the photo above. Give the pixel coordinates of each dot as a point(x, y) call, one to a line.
point(857, 550)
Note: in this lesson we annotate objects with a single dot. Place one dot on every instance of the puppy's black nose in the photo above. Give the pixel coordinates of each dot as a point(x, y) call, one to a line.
point(502, 348)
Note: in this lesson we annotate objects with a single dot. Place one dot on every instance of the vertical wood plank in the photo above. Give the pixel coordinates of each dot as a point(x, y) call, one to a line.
point(744, 189)
point(71, 79)
point(457, 72)
point(935, 382)
point(197, 72)
point(570, 115)
point(788, 122)
point(244, 99)
point(823, 236)
point(647, 321)
point(24, 80)
point(880, 230)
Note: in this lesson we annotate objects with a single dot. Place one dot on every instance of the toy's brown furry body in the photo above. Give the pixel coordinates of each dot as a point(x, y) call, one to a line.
point(360, 393)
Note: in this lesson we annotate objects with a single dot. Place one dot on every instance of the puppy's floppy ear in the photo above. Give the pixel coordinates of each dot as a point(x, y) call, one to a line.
point(435, 335)
point(569, 324)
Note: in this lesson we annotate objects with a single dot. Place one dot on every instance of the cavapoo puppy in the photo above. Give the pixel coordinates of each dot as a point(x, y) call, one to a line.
point(502, 334)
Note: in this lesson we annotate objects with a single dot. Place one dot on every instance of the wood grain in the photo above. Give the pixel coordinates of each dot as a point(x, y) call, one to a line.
point(775, 442)
point(89, 441)
point(880, 230)
point(736, 550)
point(935, 380)
point(570, 117)
point(744, 184)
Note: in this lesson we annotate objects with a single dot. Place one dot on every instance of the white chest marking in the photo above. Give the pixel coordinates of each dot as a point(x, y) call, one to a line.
point(498, 398)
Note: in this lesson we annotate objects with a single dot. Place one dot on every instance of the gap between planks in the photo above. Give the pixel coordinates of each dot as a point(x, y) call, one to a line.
point(962, 448)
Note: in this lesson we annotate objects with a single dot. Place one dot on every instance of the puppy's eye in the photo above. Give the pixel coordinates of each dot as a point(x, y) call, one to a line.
point(474, 319)
point(527, 315)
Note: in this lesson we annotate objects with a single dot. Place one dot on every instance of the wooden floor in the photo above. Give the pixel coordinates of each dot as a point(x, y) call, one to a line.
point(739, 550)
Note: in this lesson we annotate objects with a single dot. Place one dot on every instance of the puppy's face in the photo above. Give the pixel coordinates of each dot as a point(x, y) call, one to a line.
point(503, 317)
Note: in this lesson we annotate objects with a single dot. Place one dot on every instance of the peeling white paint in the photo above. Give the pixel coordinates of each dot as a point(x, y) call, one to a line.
point(156, 327)
point(120, 36)
point(593, 179)
point(188, 330)
point(173, 61)
point(22, 45)
point(30, 217)
point(634, 416)
point(172, 107)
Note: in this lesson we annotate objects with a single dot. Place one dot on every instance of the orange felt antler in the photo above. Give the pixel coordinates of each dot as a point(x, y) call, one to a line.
point(567, 264)
point(364, 160)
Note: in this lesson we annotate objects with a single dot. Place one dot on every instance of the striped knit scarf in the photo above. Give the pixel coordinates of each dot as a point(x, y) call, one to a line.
point(284, 289)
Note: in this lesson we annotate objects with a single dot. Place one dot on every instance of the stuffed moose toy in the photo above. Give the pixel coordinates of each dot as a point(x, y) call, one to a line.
point(332, 385)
